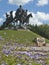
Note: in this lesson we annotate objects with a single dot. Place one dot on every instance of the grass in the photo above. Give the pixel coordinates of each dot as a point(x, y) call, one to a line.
point(15, 60)
point(22, 36)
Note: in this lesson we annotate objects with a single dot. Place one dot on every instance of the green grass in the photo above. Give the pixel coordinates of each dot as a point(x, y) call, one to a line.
point(15, 60)
point(22, 36)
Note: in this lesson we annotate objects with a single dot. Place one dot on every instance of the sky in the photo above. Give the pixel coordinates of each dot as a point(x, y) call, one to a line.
point(38, 8)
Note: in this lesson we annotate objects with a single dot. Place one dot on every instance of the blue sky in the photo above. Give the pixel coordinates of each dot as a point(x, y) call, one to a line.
point(38, 8)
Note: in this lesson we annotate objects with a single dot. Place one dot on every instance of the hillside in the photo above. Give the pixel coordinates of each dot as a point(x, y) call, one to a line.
point(21, 36)
point(17, 54)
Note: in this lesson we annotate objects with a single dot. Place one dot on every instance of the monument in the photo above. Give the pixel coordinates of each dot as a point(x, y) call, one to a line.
point(20, 15)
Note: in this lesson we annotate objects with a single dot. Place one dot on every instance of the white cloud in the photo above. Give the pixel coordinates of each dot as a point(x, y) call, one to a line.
point(1, 21)
point(42, 16)
point(34, 20)
point(19, 2)
point(42, 2)
point(14, 13)
point(39, 18)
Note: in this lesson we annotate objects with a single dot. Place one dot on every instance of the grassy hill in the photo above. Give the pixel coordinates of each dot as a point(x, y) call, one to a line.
point(21, 36)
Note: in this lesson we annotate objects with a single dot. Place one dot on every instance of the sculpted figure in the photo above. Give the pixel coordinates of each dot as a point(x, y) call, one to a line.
point(18, 12)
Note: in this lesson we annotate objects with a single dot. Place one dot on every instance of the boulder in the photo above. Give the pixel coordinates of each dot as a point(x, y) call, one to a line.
point(40, 41)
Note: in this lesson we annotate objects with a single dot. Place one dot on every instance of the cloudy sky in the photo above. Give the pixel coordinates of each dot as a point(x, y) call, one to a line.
point(38, 8)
